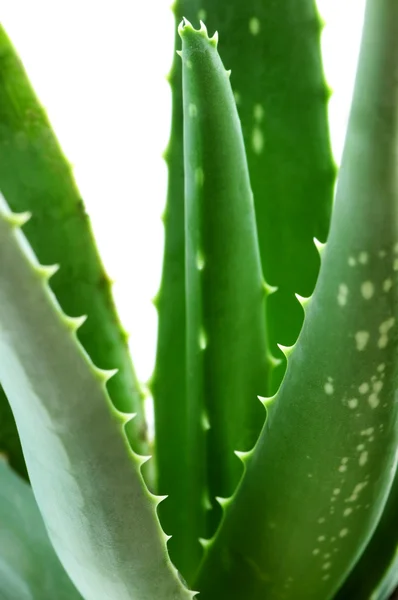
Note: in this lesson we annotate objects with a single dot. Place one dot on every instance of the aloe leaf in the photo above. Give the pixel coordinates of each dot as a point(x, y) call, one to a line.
point(35, 176)
point(377, 569)
point(100, 516)
point(168, 382)
point(225, 292)
point(273, 49)
point(29, 567)
point(284, 123)
point(318, 479)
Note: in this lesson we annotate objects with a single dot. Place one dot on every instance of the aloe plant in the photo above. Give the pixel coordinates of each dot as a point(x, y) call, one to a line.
point(290, 497)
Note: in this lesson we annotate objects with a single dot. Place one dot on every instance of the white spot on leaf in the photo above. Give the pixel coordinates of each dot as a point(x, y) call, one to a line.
point(361, 339)
point(367, 290)
point(257, 140)
point(258, 112)
point(343, 533)
point(363, 388)
point(387, 285)
point(193, 110)
point(342, 295)
point(352, 403)
point(254, 26)
point(328, 387)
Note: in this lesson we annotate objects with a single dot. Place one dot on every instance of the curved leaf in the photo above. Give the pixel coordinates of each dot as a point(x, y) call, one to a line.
point(318, 479)
point(100, 517)
point(35, 176)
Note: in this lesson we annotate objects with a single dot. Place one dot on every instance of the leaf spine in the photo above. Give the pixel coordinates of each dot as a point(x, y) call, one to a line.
point(18, 219)
point(303, 301)
point(319, 246)
point(223, 502)
point(274, 361)
point(141, 459)
point(286, 350)
point(243, 456)
point(47, 271)
point(214, 39)
point(74, 323)
point(105, 375)
point(125, 418)
point(205, 543)
point(203, 29)
point(157, 499)
point(269, 289)
point(267, 400)
point(183, 25)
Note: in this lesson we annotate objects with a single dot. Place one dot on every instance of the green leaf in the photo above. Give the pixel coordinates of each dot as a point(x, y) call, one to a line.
point(35, 176)
point(292, 178)
point(318, 479)
point(29, 567)
point(168, 383)
point(225, 294)
point(100, 517)
point(273, 49)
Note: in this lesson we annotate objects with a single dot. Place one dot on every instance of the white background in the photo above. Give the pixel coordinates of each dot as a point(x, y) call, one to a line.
point(99, 69)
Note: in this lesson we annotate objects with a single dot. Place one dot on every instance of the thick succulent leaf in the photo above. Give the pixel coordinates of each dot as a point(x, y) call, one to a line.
point(168, 383)
point(318, 479)
point(273, 49)
point(29, 567)
point(100, 517)
point(35, 176)
point(225, 294)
